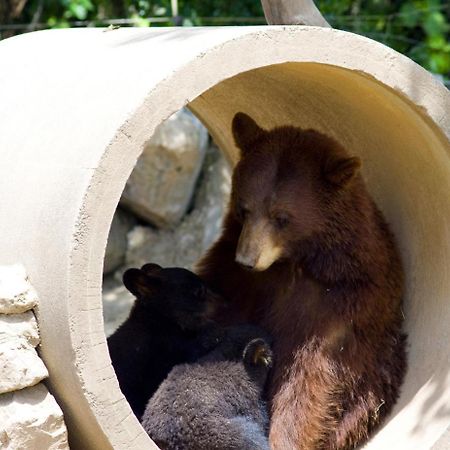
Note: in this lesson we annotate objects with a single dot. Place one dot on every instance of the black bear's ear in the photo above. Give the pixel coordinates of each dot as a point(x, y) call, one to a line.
point(258, 353)
point(340, 171)
point(140, 284)
point(151, 268)
point(245, 131)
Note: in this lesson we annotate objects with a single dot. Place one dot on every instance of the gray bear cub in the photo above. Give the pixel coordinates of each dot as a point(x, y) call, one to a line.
point(217, 402)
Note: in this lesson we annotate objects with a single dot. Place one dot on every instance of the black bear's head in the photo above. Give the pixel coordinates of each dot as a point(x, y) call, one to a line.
point(175, 293)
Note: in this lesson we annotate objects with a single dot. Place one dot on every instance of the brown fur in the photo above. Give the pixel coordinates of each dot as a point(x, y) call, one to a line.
point(331, 298)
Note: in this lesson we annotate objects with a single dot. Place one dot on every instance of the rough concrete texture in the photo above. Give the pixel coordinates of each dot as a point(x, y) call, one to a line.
point(160, 188)
point(68, 179)
point(20, 365)
point(444, 441)
point(117, 241)
point(31, 419)
point(16, 293)
point(117, 302)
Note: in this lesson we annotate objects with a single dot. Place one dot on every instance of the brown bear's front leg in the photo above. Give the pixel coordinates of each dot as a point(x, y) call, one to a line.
point(303, 406)
point(358, 420)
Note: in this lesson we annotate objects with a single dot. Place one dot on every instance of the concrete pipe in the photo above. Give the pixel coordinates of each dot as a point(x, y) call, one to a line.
point(76, 108)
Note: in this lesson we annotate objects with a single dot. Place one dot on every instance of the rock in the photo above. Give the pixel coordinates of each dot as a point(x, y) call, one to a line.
point(29, 416)
point(117, 302)
point(20, 365)
point(146, 244)
point(198, 230)
point(211, 202)
point(19, 326)
point(31, 419)
point(117, 241)
point(16, 293)
point(161, 186)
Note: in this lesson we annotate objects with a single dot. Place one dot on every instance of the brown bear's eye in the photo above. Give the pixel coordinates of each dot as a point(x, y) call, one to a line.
point(281, 221)
point(242, 212)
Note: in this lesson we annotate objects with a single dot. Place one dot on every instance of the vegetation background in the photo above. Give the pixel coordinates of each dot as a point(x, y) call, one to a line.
point(417, 28)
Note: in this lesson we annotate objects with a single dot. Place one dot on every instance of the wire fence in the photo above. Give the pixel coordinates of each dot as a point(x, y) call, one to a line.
point(349, 20)
point(171, 20)
point(174, 18)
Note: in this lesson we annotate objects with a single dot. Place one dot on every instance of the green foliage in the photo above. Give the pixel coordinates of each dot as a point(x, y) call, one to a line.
point(418, 28)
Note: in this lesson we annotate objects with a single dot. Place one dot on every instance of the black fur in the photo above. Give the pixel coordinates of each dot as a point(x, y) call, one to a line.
point(171, 312)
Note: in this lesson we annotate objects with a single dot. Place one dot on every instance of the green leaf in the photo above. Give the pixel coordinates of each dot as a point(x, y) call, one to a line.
point(78, 11)
point(435, 24)
point(141, 22)
point(380, 24)
point(437, 42)
point(51, 21)
point(409, 15)
point(159, 11)
point(440, 62)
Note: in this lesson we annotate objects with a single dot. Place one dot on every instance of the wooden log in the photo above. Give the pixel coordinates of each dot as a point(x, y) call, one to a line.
point(293, 12)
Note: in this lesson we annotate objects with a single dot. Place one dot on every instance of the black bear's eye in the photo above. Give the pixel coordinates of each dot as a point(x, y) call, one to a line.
point(281, 221)
point(200, 292)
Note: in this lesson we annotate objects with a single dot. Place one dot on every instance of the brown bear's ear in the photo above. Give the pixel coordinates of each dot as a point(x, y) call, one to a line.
point(140, 284)
point(340, 171)
point(245, 131)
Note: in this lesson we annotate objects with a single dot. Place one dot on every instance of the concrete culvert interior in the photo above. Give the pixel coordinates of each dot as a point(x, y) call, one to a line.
point(69, 148)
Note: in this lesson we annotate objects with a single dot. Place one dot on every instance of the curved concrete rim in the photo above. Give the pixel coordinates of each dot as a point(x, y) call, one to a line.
point(100, 115)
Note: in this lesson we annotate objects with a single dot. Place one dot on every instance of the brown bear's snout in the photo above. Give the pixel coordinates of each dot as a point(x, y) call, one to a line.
point(257, 248)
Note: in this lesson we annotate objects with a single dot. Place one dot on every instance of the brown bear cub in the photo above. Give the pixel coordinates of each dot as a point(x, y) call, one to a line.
point(306, 254)
point(169, 324)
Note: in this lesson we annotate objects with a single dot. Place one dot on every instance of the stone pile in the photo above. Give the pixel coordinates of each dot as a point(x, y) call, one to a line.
point(171, 210)
point(30, 418)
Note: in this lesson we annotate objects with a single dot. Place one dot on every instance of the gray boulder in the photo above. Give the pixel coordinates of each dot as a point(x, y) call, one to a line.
point(116, 248)
point(184, 245)
point(161, 185)
point(117, 302)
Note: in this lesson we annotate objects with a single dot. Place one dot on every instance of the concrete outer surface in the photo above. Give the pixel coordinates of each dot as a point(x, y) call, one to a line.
point(78, 106)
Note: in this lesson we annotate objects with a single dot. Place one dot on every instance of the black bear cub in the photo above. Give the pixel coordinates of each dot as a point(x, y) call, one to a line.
point(215, 403)
point(171, 312)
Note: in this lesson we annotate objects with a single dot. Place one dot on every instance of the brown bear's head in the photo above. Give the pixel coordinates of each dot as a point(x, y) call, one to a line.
point(287, 188)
